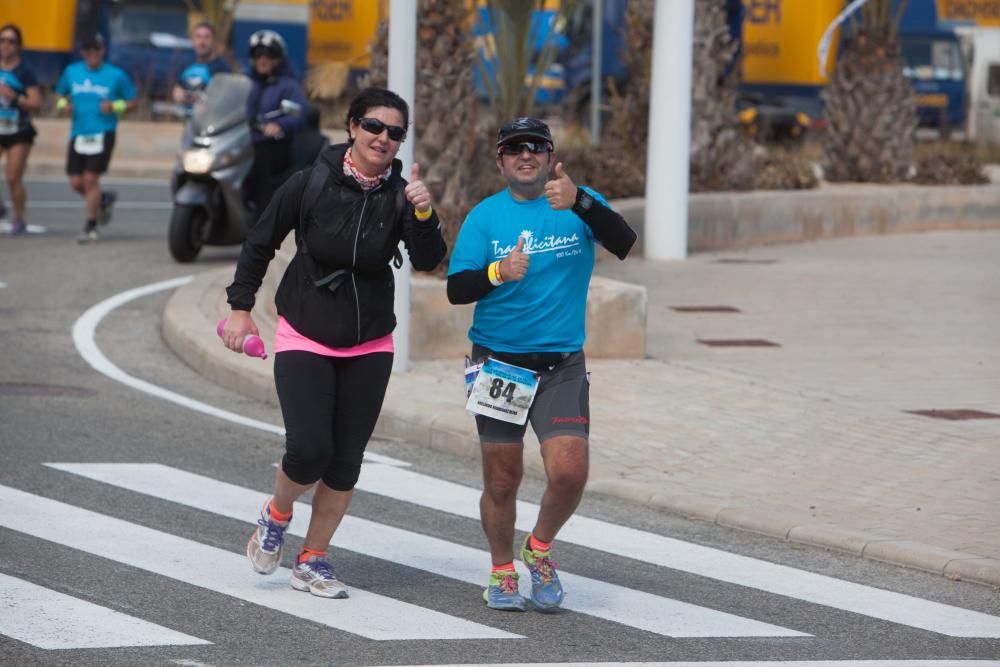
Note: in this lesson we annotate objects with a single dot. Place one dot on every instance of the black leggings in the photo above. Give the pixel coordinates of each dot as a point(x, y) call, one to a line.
point(330, 406)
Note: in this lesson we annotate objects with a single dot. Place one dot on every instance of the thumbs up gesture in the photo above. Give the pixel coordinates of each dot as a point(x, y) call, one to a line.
point(561, 190)
point(416, 192)
point(515, 265)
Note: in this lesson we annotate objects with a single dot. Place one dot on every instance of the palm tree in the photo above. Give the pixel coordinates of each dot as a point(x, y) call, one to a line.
point(721, 154)
point(217, 12)
point(870, 109)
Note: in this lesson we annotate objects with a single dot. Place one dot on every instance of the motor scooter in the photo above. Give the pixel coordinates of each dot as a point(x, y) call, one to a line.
point(215, 156)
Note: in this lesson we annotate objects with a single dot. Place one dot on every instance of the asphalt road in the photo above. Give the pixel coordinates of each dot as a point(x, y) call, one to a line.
point(140, 560)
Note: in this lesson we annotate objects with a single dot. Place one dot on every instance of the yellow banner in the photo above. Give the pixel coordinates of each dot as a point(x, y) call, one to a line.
point(340, 30)
point(781, 38)
point(46, 25)
point(981, 12)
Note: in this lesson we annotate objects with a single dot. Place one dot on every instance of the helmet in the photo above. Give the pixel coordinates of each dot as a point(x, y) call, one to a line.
point(268, 41)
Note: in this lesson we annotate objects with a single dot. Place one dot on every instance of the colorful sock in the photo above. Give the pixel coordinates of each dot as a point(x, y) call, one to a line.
point(283, 517)
point(537, 545)
point(507, 567)
point(306, 554)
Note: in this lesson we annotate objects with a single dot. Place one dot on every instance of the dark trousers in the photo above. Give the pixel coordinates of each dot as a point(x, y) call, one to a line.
point(330, 406)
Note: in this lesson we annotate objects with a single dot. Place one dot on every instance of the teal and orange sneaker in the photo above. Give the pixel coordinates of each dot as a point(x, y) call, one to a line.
point(502, 592)
point(546, 591)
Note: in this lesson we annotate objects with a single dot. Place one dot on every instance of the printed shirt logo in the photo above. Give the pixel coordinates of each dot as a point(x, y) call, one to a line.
point(89, 87)
point(534, 245)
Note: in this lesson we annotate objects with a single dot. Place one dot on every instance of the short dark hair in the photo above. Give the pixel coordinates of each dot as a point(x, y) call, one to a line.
point(92, 42)
point(369, 98)
point(17, 33)
point(203, 24)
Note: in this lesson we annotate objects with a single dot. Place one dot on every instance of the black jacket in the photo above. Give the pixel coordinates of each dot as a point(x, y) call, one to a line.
point(346, 229)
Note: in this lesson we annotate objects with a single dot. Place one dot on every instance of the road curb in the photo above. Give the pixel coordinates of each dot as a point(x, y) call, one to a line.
point(188, 326)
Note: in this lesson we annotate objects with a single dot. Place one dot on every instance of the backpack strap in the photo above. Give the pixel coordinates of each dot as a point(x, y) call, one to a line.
point(314, 187)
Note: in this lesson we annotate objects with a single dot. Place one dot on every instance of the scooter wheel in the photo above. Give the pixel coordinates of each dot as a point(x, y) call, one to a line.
point(187, 229)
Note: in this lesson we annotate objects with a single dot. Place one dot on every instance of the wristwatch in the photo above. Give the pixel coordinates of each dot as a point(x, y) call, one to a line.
point(583, 201)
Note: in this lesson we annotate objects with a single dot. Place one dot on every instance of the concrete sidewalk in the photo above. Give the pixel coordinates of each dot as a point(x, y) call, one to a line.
point(810, 440)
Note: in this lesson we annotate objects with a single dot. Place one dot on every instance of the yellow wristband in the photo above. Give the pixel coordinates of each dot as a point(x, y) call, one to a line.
point(61, 104)
point(493, 273)
point(423, 216)
point(119, 106)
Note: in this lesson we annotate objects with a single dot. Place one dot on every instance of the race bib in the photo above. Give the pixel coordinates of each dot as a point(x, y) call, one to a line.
point(89, 144)
point(9, 121)
point(502, 391)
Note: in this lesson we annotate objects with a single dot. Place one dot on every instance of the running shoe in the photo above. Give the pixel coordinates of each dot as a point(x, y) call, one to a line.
point(315, 575)
point(18, 227)
point(264, 547)
point(546, 591)
point(88, 235)
point(108, 199)
point(502, 593)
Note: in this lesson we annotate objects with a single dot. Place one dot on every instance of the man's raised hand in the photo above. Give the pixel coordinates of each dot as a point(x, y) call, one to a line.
point(515, 265)
point(560, 191)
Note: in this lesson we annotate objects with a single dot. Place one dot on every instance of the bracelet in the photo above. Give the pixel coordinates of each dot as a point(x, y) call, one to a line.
point(119, 106)
point(493, 273)
point(423, 216)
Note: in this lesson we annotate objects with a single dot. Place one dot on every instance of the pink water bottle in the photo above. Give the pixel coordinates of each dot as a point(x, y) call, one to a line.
point(253, 346)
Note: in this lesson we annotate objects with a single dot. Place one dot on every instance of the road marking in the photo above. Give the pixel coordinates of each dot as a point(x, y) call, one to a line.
point(51, 620)
point(84, 337)
point(433, 493)
point(365, 614)
point(750, 663)
point(629, 607)
point(658, 550)
point(148, 205)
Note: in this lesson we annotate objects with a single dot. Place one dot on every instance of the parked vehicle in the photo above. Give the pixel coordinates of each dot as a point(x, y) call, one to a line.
point(782, 80)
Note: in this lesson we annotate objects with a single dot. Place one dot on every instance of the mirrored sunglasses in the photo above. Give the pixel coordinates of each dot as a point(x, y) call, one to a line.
point(535, 147)
point(375, 126)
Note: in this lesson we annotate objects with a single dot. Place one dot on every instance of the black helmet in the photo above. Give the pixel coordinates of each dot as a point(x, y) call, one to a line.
point(269, 42)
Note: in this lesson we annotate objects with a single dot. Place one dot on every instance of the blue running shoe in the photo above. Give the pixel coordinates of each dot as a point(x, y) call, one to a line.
point(502, 593)
point(546, 591)
point(264, 547)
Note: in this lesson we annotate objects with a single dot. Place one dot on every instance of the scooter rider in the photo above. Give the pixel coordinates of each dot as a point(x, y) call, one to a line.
point(272, 141)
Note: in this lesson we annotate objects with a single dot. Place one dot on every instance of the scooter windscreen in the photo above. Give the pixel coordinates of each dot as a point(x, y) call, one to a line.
point(222, 106)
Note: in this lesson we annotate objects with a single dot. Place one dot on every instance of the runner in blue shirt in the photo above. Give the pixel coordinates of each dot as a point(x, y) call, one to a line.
point(196, 76)
point(19, 96)
point(525, 256)
point(96, 93)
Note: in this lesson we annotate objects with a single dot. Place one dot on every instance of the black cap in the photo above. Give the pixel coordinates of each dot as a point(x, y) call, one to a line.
point(92, 42)
point(524, 128)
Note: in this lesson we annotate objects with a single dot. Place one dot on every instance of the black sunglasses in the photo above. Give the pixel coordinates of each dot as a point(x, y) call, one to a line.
point(535, 147)
point(375, 126)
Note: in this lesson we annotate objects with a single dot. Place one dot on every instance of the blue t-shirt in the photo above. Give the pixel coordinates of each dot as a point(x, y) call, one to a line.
point(87, 88)
point(13, 119)
point(547, 310)
point(197, 75)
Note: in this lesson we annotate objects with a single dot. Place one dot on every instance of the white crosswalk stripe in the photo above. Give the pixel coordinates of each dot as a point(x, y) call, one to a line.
point(426, 491)
point(588, 596)
point(365, 614)
point(752, 663)
point(51, 620)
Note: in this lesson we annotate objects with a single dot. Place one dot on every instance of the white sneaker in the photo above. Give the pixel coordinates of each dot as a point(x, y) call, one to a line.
point(316, 576)
point(266, 543)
